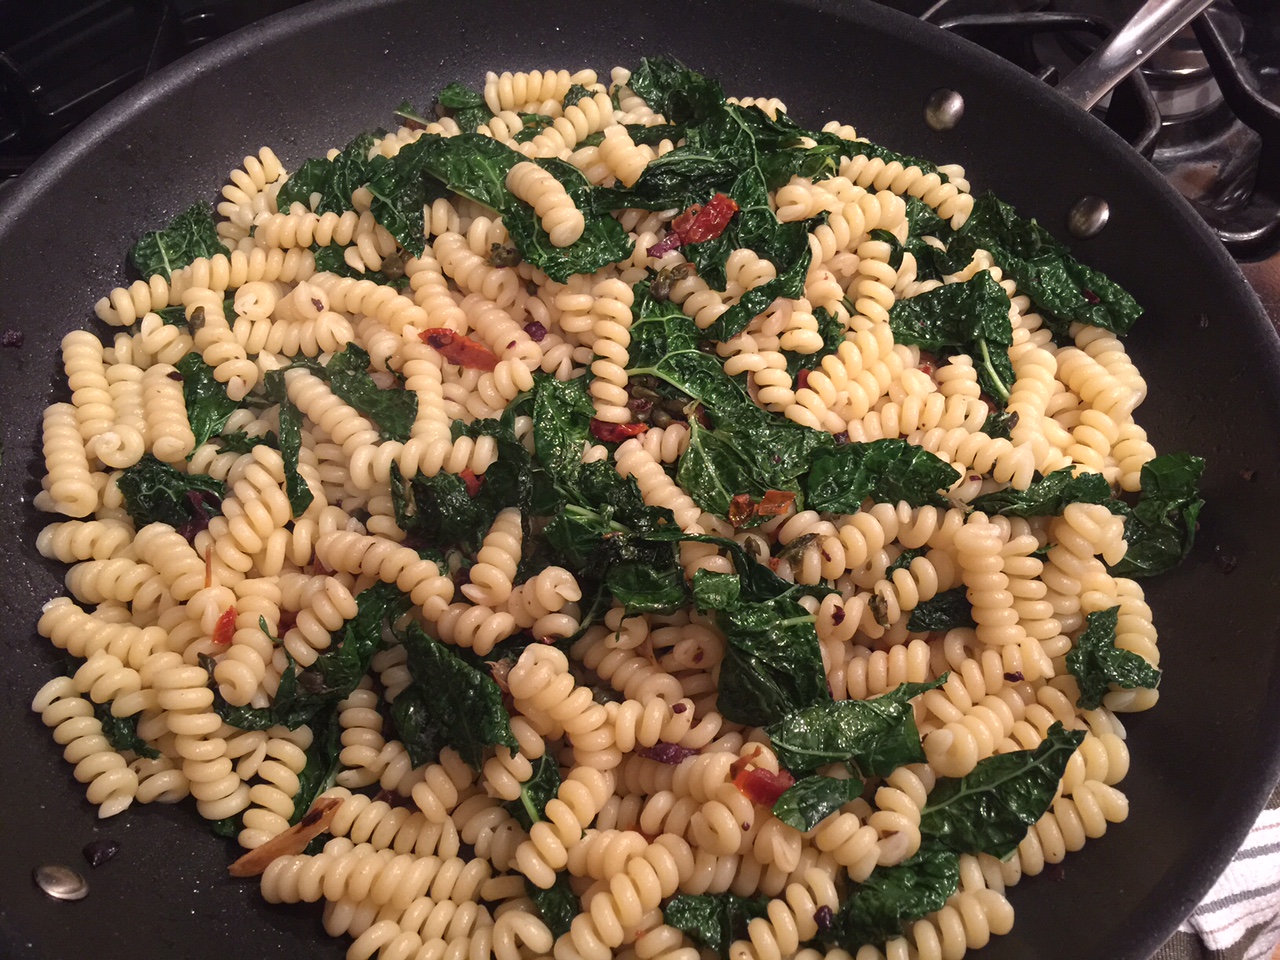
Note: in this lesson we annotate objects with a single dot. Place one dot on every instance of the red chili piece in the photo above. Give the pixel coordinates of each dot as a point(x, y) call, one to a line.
point(616, 432)
point(225, 628)
point(762, 787)
point(473, 482)
point(459, 349)
point(741, 509)
point(710, 221)
point(802, 379)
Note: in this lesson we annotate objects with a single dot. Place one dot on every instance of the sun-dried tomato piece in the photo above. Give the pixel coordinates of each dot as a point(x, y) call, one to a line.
point(473, 482)
point(775, 503)
point(709, 222)
point(741, 509)
point(616, 432)
point(459, 349)
point(762, 786)
point(225, 628)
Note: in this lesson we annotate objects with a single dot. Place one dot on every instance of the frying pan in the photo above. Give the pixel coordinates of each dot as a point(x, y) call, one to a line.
point(1203, 760)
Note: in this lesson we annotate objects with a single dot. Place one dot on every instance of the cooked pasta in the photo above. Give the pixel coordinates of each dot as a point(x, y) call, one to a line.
point(529, 545)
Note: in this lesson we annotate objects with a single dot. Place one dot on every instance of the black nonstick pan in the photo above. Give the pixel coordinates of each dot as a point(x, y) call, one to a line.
point(1203, 760)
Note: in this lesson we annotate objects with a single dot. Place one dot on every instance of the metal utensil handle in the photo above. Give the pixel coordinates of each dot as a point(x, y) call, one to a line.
point(1125, 50)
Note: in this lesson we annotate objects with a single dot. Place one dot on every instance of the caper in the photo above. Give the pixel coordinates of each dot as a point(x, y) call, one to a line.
point(660, 418)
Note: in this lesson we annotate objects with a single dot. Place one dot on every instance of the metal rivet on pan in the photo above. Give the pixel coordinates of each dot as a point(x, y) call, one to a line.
point(1088, 216)
point(943, 109)
point(61, 883)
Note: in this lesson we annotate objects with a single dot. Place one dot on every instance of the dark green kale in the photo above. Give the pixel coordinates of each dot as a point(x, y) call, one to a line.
point(1161, 527)
point(332, 259)
point(1098, 664)
point(876, 736)
point(208, 406)
point(944, 611)
point(155, 492)
point(1047, 496)
point(773, 663)
point(879, 906)
point(1064, 290)
point(886, 471)
point(122, 732)
point(714, 920)
point(536, 792)
point(476, 167)
point(241, 442)
point(562, 412)
point(832, 329)
point(811, 800)
point(450, 703)
point(989, 810)
point(334, 180)
point(557, 905)
point(189, 236)
point(670, 88)
point(999, 424)
point(300, 494)
point(302, 695)
point(971, 318)
point(466, 106)
point(321, 770)
point(393, 410)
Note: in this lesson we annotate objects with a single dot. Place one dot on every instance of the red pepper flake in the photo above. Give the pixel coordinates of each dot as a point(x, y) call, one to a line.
point(535, 331)
point(928, 362)
point(225, 628)
point(459, 349)
point(762, 786)
point(1090, 296)
point(473, 482)
point(616, 432)
point(802, 379)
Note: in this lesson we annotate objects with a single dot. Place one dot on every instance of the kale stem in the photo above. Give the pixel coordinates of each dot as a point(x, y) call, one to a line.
point(1001, 390)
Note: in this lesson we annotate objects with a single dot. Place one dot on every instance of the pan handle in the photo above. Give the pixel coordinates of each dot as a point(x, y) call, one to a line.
point(1126, 49)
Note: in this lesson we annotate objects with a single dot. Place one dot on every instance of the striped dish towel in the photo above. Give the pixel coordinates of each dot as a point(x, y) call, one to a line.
point(1240, 918)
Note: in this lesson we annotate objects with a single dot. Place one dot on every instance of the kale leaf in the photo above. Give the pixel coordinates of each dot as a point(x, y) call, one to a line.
point(773, 663)
point(878, 907)
point(189, 236)
point(714, 920)
point(334, 180)
point(155, 492)
point(393, 410)
point(321, 770)
point(1064, 290)
point(300, 493)
point(1161, 527)
point(970, 317)
point(466, 106)
point(877, 736)
point(536, 792)
point(944, 611)
point(990, 809)
point(1097, 663)
point(887, 471)
point(1047, 496)
point(122, 732)
point(450, 703)
point(811, 800)
point(557, 905)
point(208, 406)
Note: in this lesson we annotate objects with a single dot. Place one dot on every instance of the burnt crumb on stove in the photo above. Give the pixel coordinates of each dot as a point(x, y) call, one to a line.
point(1204, 321)
point(1224, 561)
point(98, 852)
point(1248, 474)
point(12, 338)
